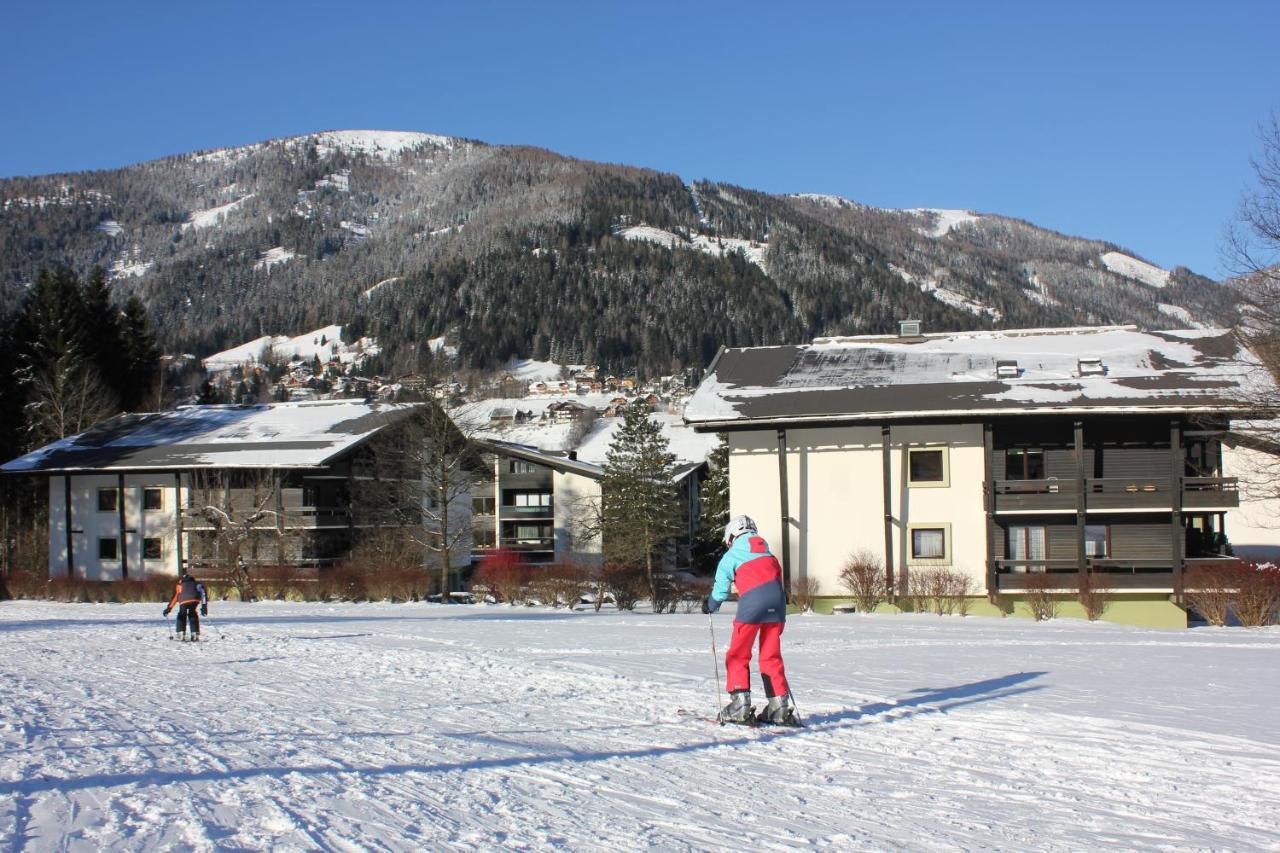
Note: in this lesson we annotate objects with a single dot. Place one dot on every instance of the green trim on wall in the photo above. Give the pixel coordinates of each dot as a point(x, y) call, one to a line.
point(1153, 610)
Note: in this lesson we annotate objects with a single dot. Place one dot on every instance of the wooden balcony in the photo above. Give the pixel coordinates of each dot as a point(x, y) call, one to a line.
point(524, 513)
point(1104, 494)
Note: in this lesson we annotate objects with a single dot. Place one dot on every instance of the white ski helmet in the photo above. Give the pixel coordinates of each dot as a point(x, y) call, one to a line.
point(737, 526)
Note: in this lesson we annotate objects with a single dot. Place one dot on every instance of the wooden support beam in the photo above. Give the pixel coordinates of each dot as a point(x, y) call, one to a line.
point(783, 493)
point(66, 514)
point(1082, 508)
point(887, 481)
point(177, 520)
point(989, 504)
point(124, 534)
point(1177, 462)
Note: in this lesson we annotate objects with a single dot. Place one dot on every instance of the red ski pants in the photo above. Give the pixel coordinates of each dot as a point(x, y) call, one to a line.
point(737, 661)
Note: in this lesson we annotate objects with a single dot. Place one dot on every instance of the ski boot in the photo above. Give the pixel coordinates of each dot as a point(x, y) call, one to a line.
point(739, 709)
point(195, 636)
point(780, 711)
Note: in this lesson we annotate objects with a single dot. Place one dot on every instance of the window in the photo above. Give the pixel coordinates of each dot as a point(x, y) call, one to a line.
point(529, 499)
point(1023, 464)
point(1025, 545)
point(108, 500)
point(519, 466)
point(1097, 540)
point(152, 549)
point(152, 499)
point(532, 533)
point(930, 544)
point(927, 466)
point(484, 538)
point(108, 549)
point(482, 506)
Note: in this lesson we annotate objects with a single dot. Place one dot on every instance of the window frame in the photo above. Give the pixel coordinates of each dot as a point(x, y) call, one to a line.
point(115, 499)
point(486, 505)
point(521, 466)
point(942, 483)
point(1024, 530)
point(945, 559)
point(1025, 452)
point(1106, 541)
point(159, 493)
point(159, 549)
point(114, 556)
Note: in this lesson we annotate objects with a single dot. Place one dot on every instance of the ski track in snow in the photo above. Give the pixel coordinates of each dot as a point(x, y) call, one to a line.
point(381, 726)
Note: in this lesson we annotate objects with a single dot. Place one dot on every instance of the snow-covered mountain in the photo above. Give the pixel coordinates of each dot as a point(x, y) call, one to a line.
point(519, 251)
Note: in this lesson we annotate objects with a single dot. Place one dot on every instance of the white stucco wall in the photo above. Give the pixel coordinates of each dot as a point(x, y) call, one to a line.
point(575, 497)
point(1253, 529)
point(836, 495)
point(88, 525)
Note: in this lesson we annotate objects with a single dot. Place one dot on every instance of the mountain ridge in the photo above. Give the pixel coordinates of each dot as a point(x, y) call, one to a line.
point(515, 250)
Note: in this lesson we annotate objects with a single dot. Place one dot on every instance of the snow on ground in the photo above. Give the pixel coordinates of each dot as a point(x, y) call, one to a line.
point(129, 266)
point(368, 294)
point(532, 370)
point(946, 296)
point(214, 215)
point(1041, 292)
point(384, 144)
point(827, 200)
point(752, 250)
point(355, 228)
point(110, 226)
point(1182, 315)
point(943, 219)
point(1129, 267)
point(395, 726)
point(325, 343)
point(687, 445)
point(273, 256)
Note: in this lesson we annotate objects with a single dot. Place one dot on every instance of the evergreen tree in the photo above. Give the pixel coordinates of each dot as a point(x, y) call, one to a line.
point(101, 336)
point(209, 394)
point(142, 359)
point(641, 508)
point(715, 509)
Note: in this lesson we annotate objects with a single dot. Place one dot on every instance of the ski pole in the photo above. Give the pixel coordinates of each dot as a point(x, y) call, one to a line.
point(715, 658)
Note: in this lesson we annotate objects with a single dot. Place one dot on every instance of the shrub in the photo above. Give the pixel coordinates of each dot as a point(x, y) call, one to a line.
point(1043, 603)
point(1094, 595)
point(919, 589)
point(693, 591)
point(342, 582)
point(1257, 595)
point(1209, 590)
point(504, 575)
point(625, 583)
point(864, 577)
point(803, 591)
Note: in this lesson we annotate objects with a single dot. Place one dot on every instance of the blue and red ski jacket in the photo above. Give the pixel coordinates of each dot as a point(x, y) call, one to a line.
point(758, 575)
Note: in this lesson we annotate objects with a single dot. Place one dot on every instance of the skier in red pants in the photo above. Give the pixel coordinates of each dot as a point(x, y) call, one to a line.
point(762, 611)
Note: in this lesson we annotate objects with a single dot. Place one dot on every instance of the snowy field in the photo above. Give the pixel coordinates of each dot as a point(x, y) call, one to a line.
point(412, 726)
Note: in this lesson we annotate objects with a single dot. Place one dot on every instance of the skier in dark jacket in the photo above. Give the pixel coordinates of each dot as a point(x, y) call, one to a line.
point(762, 611)
point(187, 594)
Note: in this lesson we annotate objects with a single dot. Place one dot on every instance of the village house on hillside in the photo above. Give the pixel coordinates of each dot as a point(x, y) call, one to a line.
point(129, 497)
point(1106, 452)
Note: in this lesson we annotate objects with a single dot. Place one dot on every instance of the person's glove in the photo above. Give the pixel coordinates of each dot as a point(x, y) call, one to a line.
point(166, 611)
point(710, 605)
point(204, 610)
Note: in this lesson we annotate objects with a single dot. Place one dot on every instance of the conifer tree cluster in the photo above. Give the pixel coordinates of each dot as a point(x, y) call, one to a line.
point(76, 359)
point(708, 545)
point(641, 510)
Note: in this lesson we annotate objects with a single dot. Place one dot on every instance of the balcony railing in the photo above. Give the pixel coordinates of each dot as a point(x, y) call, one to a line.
point(1114, 493)
point(547, 511)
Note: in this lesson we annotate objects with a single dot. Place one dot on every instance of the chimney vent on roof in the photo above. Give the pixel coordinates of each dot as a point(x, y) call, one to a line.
point(1007, 370)
point(909, 328)
point(1090, 366)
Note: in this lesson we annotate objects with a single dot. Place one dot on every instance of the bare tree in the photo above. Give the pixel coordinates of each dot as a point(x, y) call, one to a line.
point(1253, 253)
point(418, 480)
point(243, 511)
point(64, 398)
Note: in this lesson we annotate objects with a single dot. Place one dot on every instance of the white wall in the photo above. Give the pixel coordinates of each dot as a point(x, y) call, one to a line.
point(1253, 529)
point(88, 525)
point(574, 497)
point(836, 495)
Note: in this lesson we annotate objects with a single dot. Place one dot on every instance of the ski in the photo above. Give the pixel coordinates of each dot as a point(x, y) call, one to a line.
point(694, 715)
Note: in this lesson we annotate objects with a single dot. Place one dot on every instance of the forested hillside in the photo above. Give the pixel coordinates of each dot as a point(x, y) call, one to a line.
point(519, 251)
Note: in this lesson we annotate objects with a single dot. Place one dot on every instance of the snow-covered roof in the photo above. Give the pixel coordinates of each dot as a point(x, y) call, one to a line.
point(954, 374)
point(275, 435)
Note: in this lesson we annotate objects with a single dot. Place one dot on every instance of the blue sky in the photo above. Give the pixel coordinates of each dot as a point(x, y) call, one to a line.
point(1132, 122)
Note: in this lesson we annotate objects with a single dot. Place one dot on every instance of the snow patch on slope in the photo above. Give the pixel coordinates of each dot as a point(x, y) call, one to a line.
point(953, 298)
point(1130, 267)
point(110, 226)
point(827, 200)
point(1182, 315)
point(368, 294)
point(273, 256)
point(752, 250)
point(326, 343)
point(943, 219)
point(214, 215)
point(383, 144)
